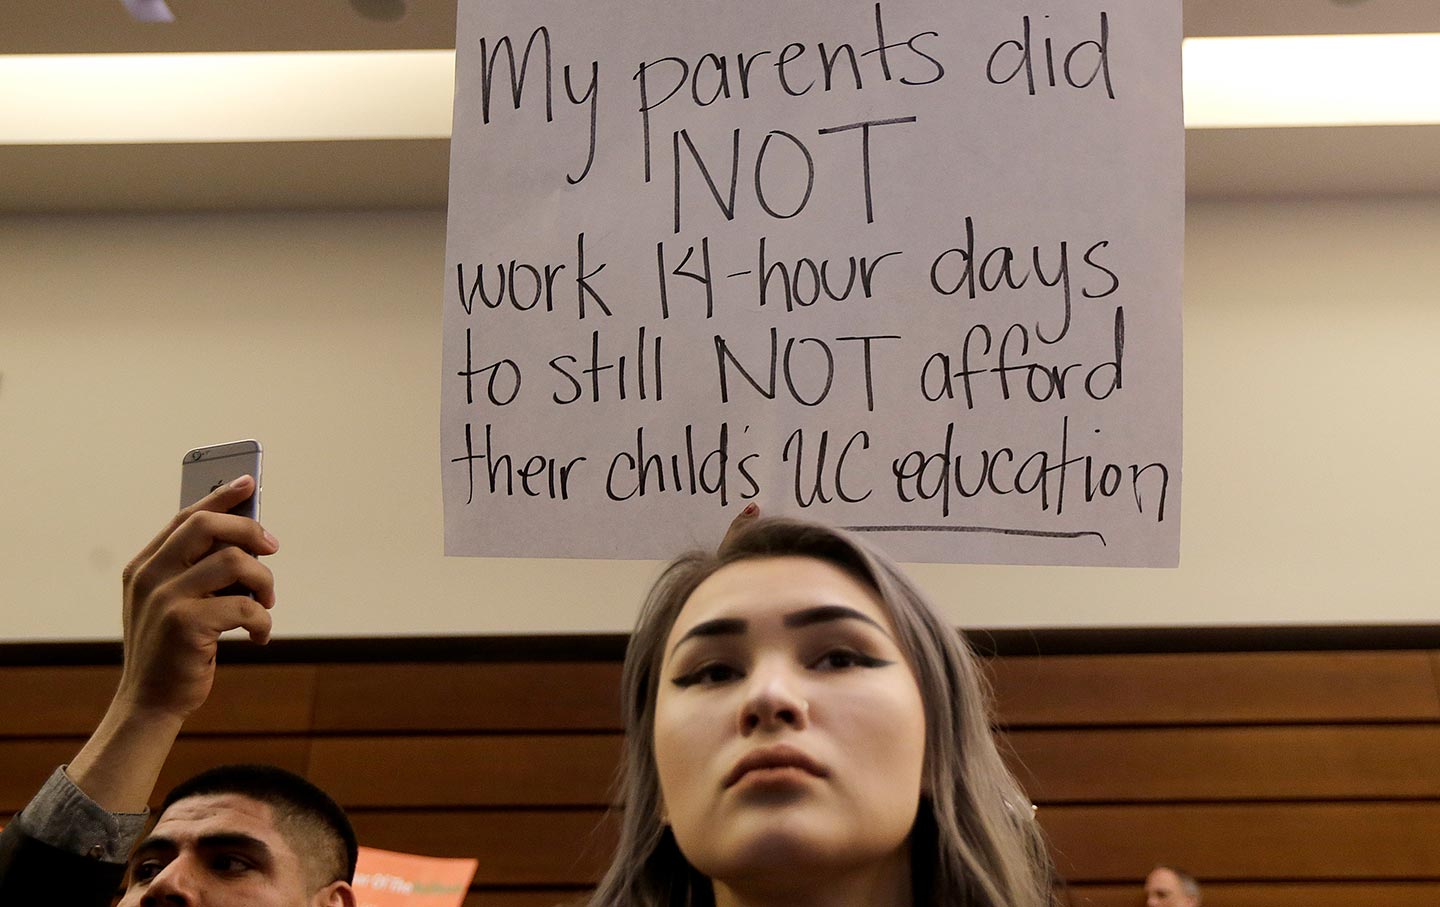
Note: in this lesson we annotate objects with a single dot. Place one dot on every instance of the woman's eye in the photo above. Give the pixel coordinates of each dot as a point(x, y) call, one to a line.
point(840, 659)
point(708, 675)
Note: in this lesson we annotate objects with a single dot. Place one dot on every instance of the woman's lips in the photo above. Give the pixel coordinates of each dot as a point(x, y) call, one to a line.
point(775, 757)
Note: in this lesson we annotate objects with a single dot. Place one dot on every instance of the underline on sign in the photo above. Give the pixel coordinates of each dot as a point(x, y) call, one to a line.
point(998, 530)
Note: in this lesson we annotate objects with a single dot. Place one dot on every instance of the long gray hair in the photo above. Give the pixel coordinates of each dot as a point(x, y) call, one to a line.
point(975, 842)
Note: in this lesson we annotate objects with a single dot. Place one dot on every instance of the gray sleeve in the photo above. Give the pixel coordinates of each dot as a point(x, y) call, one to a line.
point(62, 816)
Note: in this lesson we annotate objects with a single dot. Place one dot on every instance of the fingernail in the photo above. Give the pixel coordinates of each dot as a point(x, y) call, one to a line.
point(274, 542)
point(749, 510)
point(240, 481)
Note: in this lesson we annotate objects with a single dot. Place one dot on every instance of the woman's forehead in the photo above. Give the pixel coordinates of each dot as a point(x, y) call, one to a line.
point(767, 589)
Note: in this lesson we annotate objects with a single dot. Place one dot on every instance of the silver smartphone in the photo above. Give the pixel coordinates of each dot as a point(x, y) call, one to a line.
point(205, 469)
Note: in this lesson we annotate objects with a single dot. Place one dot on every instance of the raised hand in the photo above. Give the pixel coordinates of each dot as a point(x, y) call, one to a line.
point(172, 622)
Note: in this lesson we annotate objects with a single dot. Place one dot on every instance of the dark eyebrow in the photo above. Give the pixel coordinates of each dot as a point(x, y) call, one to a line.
point(151, 845)
point(720, 626)
point(826, 613)
point(734, 626)
point(221, 841)
point(234, 841)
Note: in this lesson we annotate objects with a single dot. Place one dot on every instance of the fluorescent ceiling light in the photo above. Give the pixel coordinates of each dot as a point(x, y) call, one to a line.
point(1312, 80)
point(148, 10)
point(59, 99)
point(343, 95)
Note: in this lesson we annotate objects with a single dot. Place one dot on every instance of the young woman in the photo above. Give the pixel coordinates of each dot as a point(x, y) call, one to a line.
point(803, 729)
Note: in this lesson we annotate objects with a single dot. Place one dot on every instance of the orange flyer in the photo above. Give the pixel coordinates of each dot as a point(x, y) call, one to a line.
point(384, 878)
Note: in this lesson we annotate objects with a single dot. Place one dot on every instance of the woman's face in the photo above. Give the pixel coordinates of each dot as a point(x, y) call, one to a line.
point(789, 731)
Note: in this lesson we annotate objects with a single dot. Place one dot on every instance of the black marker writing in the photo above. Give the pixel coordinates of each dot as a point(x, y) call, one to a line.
point(523, 286)
point(1039, 382)
point(712, 77)
point(1071, 69)
point(642, 471)
point(801, 356)
point(928, 475)
point(551, 476)
point(590, 96)
point(822, 473)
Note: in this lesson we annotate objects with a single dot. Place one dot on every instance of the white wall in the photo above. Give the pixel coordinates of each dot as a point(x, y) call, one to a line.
point(1312, 395)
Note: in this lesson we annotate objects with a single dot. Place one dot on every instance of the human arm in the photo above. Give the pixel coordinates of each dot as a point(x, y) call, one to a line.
point(172, 624)
point(70, 843)
point(172, 629)
point(61, 815)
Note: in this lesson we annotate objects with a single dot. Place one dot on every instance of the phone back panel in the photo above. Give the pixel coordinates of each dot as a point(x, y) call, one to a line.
point(205, 469)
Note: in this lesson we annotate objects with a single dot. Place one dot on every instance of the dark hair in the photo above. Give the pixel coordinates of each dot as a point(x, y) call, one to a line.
point(975, 842)
point(323, 833)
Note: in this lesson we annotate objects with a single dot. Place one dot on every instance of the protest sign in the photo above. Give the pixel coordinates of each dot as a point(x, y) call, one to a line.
point(907, 267)
point(384, 878)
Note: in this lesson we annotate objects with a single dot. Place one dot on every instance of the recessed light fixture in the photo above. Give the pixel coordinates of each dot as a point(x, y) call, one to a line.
point(302, 96)
point(1339, 80)
point(380, 10)
point(148, 10)
point(1312, 80)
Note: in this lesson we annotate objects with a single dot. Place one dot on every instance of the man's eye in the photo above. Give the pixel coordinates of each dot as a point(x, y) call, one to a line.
point(707, 675)
point(230, 864)
point(146, 870)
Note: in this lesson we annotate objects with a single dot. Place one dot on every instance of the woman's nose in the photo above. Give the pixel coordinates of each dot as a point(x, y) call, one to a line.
point(773, 701)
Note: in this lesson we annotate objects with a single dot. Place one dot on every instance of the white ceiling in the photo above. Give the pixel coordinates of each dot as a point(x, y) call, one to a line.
point(1221, 163)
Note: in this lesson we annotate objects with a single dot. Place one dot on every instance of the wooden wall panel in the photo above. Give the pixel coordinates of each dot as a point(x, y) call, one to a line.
point(1334, 762)
point(193, 755)
point(1282, 778)
point(25, 764)
point(70, 700)
point(258, 699)
point(1220, 688)
point(508, 770)
point(537, 848)
point(1289, 841)
point(533, 696)
point(46, 701)
point(1274, 894)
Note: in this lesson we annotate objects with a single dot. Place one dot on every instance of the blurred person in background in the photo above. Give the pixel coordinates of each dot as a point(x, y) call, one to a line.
point(1167, 886)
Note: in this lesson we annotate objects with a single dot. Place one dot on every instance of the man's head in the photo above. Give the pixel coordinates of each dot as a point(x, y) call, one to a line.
point(245, 835)
point(1167, 886)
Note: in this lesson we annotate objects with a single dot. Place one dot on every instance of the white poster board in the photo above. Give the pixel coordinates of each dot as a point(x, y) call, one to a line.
point(907, 267)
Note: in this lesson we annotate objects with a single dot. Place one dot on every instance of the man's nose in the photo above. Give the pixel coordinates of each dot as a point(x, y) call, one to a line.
point(773, 701)
point(173, 886)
